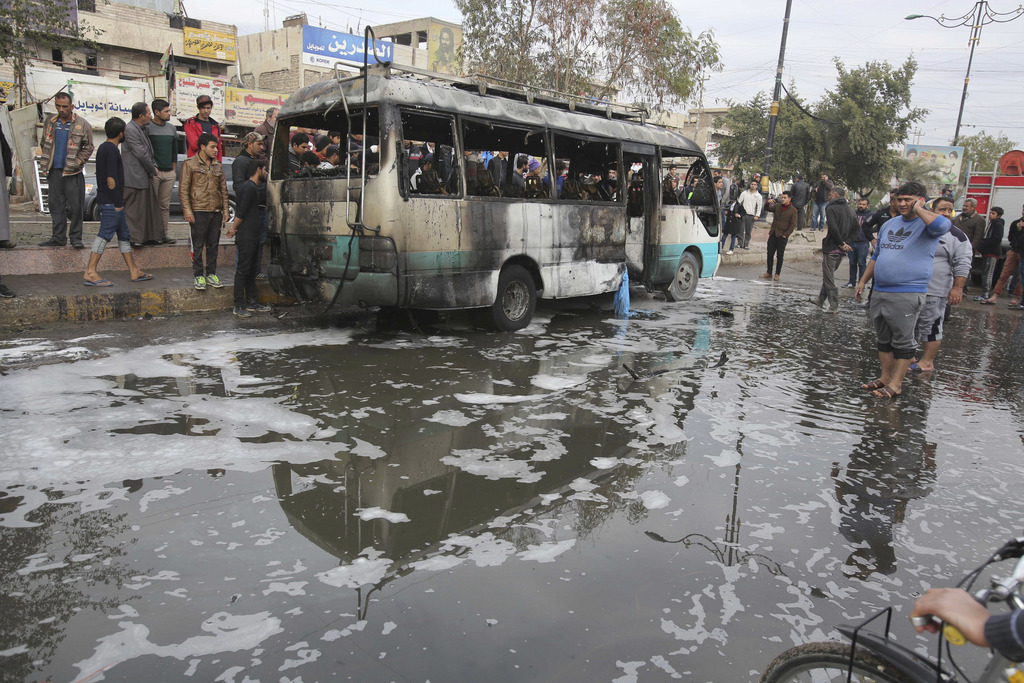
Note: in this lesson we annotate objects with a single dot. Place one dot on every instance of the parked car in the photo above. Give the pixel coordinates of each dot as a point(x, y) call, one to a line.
point(90, 191)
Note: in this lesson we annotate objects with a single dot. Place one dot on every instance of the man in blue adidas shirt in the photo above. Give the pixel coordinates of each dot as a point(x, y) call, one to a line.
point(901, 265)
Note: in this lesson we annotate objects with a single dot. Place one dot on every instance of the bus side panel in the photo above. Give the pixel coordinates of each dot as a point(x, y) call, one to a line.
point(591, 250)
point(678, 228)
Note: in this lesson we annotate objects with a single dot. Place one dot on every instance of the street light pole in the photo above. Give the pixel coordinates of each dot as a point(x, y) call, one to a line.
point(773, 117)
point(976, 18)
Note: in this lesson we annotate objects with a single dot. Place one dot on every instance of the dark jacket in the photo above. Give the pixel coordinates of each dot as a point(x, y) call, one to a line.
point(864, 220)
point(841, 222)
point(992, 243)
point(734, 219)
point(801, 193)
point(1016, 235)
point(822, 190)
point(973, 226)
point(784, 221)
point(5, 153)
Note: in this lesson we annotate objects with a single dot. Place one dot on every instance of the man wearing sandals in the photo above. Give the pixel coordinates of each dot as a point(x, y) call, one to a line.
point(901, 266)
point(950, 270)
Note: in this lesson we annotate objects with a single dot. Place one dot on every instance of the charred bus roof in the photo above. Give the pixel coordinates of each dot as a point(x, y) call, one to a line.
point(477, 98)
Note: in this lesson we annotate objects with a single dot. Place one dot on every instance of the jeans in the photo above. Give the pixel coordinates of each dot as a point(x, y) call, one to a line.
point(205, 233)
point(858, 260)
point(732, 244)
point(1009, 269)
point(247, 248)
point(818, 217)
point(990, 271)
point(776, 245)
point(748, 228)
point(65, 195)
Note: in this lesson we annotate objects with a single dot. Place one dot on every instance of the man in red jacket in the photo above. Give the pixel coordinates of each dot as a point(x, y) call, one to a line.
point(202, 123)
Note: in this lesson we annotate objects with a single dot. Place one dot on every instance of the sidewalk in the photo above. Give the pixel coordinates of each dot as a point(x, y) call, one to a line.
point(48, 280)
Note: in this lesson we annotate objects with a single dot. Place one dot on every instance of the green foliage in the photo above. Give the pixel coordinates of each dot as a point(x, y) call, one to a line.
point(27, 25)
point(859, 123)
point(983, 150)
point(589, 47)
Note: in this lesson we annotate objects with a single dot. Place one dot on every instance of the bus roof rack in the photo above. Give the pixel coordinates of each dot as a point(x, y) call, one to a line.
point(531, 94)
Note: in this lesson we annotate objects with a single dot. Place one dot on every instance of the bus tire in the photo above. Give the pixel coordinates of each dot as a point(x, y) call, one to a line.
point(830, 662)
point(517, 298)
point(684, 282)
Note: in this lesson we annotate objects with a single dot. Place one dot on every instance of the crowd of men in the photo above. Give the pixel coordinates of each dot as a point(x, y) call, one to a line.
point(136, 168)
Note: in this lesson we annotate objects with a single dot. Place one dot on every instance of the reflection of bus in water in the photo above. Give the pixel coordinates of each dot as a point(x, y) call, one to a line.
point(469, 196)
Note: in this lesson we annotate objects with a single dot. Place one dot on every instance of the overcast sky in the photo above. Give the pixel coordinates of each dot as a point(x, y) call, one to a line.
point(749, 34)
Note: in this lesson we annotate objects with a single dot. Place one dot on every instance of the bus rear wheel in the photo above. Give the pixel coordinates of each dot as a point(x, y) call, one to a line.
point(516, 300)
point(684, 283)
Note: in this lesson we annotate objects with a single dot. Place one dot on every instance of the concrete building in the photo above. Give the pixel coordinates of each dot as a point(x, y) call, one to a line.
point(700, 126)
point(298, 54)
point(134, 36)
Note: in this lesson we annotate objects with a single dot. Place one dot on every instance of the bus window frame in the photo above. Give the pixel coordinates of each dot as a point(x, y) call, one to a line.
point(404, 184)
point(620, 176)
point(544, 131)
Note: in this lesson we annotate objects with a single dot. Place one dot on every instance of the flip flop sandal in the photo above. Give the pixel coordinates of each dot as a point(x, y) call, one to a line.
point(871, 386)
point(884, 392)
point(97, 283)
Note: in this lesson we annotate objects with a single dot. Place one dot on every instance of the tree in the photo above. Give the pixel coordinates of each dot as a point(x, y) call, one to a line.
point(982, 150)
point(27, 25)
point(594, 48)
point(850, 133)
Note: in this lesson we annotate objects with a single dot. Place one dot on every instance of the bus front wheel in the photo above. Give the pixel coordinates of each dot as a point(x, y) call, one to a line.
point(684, 283)
point(516, 300)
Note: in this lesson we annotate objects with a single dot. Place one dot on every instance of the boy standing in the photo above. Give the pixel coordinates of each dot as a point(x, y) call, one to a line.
point(246, 231)
point(110, 201)
point(203, 192)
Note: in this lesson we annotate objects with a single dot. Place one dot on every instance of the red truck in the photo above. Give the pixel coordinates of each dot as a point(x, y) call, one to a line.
point(1002, 187)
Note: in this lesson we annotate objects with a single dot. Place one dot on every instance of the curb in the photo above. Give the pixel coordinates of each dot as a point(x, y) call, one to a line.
point(30, 310)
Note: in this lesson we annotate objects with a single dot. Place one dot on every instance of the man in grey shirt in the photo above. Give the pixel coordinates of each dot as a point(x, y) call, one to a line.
point(950, 270)
point(140, 202)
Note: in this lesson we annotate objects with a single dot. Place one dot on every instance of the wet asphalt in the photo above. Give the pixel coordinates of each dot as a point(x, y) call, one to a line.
point(206, 498)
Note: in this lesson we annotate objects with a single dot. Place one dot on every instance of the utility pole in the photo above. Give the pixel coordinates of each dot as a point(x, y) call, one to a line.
point(773, 118)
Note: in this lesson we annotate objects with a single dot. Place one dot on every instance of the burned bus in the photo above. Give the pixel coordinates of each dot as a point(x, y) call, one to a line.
point(462, 194)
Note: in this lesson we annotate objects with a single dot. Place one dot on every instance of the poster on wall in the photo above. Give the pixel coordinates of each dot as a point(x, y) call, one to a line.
point(209, 44)
point(944, 161)
point(321, 47)
point(249, 107)
point(187, 87)
point(444, 47)
point(95, 98)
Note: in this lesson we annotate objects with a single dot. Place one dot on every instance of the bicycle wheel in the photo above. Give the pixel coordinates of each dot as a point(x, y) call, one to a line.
point(824, 662)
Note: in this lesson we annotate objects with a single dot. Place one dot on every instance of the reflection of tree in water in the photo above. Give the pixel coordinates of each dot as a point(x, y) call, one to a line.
point(35, 606)
point(891, 466)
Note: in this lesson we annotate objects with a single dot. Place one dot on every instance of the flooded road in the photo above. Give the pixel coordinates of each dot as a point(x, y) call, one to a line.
point(299, 503)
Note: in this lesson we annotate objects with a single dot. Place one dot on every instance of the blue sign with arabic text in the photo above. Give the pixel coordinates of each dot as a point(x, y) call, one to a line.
point(321, 47)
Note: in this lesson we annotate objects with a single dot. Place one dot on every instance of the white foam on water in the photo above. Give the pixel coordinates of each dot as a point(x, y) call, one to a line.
point(366, 514)
point(16, 650)
point(682, 480)
point(431, 492)
point(604, 463)
point(452, 418)
point(631, 670)
point(366, 449)
point(159, 494)
point(725, 459)
point(547, 416)
point(556, 383)
point(370, 568)
point(293, 588)
point(389, 626)
point(662, 663)
point(654, 500)
point(546, 552)
point(491, 466)
point(228, 633)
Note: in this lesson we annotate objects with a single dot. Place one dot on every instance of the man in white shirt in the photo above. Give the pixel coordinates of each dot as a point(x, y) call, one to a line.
point(752, 202)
